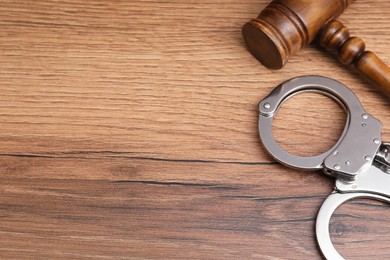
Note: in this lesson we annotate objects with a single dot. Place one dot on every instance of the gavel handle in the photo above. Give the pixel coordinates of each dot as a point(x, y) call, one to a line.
point(374, 69)
point(351, 50)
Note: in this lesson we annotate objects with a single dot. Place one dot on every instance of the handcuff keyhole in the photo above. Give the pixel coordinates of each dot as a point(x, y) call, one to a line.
point(308, 124)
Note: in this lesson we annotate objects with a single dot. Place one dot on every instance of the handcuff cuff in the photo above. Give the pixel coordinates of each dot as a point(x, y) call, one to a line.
point(359, 161)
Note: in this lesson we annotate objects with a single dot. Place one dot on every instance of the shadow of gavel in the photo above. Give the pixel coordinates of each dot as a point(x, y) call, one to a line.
point(284, 27)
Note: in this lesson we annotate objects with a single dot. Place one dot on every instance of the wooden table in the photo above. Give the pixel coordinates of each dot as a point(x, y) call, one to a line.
point(129, 131)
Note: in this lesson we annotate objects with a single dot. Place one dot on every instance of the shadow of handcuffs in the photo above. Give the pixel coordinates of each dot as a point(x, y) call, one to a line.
point(359, 161)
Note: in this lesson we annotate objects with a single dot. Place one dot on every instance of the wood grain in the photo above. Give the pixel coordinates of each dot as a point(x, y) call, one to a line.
point(129, 131)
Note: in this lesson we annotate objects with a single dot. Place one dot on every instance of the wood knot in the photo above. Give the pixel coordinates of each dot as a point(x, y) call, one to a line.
point(337, 228)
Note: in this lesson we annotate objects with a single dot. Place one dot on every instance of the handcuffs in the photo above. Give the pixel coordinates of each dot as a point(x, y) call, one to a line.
point(359, 161)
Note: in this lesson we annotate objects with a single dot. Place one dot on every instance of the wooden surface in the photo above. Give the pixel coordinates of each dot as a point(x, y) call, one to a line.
point(128, 130)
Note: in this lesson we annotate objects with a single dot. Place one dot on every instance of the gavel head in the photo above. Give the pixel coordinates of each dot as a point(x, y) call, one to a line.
point(285, 26)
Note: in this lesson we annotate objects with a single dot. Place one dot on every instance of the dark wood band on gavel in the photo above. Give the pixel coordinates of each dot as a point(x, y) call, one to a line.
point(284, 27)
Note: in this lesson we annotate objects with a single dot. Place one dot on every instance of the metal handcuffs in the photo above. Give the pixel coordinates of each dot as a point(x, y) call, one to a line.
point(359, 161)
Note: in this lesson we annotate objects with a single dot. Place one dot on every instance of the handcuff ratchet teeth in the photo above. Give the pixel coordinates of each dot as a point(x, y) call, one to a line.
point(359, 161)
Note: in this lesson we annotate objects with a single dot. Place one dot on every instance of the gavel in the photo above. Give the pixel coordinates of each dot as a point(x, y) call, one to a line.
point(284, 27)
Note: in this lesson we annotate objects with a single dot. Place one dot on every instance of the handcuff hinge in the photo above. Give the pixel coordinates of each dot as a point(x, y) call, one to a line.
point(383, 157)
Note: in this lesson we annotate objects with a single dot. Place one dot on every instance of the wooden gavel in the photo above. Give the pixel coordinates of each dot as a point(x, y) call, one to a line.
point(285, 26)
